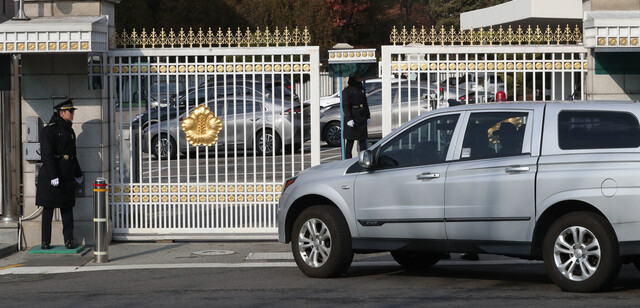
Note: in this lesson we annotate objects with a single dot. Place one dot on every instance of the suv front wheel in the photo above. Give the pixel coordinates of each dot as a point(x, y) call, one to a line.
point(321, 242)
point(581, 253)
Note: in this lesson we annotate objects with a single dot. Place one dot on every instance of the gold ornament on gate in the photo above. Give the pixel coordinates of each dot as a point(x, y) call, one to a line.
point(201, 127)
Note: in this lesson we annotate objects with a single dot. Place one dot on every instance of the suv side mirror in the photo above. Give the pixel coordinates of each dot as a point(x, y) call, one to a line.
point(365, 159)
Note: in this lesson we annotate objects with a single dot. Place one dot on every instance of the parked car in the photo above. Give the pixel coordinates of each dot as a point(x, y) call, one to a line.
point(476, 96)
point(547, 181)
point(487, 82)
point(160, 92)
point(278, 85)
point(369, 85)
point(248, 123)
point(415, 101)
point(204, 94)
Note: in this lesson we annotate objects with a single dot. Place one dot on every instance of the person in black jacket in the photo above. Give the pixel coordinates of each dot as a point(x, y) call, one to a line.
point(356, 115)
point(60, 173)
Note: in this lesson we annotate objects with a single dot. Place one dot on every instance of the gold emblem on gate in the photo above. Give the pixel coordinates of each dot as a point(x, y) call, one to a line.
point(201, 127)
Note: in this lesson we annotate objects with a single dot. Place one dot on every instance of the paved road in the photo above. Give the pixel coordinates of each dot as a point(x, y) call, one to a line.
point(263, 274)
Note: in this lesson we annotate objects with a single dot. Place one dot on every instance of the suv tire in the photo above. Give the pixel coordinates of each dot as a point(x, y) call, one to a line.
point(581, 252)
point(321, 242)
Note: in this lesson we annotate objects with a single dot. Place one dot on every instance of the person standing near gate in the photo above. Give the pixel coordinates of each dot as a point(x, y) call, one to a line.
point(60, 173)
point(356, 115)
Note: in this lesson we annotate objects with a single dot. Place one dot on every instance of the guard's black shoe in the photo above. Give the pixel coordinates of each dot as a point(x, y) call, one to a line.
point(45, 246)
point(70, 245)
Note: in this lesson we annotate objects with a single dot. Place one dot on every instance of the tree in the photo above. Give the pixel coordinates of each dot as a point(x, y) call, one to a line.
point(343, 11)
point(362, 23)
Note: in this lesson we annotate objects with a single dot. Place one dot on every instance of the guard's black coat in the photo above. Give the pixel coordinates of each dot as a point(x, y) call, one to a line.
point(356, 108)
point(56, 140)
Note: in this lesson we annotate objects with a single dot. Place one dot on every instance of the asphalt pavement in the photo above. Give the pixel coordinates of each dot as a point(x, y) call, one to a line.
point(159, 255)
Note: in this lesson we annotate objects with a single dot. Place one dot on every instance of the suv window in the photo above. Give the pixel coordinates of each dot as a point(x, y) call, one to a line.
point(597, 130)
point(494, 134)
point(424, 143)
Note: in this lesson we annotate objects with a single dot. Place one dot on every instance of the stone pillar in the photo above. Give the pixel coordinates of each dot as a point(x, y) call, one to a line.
point(65, 75)
point(50, 75)
point(56, 8)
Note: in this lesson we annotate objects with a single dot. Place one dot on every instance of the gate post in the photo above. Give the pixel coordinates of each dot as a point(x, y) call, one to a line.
point(100, 221)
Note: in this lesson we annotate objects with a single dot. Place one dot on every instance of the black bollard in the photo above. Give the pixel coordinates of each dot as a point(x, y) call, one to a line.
point(101, 255)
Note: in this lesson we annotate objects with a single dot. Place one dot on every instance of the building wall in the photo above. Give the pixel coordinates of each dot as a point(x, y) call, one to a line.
point(613, 5)
point(6, 10)
point(611, 86)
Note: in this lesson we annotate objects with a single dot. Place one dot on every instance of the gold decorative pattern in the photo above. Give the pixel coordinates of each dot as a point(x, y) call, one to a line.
point(201, 127)
point(209, 38)
point(489, 36)
point(623, 41)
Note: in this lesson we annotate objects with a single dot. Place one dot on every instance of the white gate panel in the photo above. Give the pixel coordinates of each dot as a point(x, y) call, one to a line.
point(437, 76)
point(167, 180)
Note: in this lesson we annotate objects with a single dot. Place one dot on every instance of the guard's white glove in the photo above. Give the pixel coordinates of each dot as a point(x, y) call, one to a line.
point(368, 121)
point(79, 179)
point(55, 182)
point(351, 123)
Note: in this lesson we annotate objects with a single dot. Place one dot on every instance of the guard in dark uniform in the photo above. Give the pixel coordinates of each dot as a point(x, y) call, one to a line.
point(60, 173)
point(356, 114)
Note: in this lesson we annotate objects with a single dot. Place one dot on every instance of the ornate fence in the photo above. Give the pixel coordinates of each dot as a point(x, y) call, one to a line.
point(209, 38)
point(481, 36)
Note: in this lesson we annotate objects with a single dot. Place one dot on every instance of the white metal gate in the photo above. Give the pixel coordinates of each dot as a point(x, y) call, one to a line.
point(166, 182)
point(439, 76)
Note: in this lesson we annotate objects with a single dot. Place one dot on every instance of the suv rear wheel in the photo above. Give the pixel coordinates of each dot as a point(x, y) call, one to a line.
point(581, 253)
point(321, 242)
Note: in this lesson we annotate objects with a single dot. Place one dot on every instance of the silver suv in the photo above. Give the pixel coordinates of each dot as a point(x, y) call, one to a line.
point(557, 182)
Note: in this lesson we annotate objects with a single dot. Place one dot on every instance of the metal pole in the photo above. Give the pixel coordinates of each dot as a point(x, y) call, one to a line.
point(342, 141)
point(100, 221)
point(21, 15)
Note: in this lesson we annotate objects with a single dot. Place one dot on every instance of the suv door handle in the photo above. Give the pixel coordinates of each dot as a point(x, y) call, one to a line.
point(516, 169)
point(428, 176)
